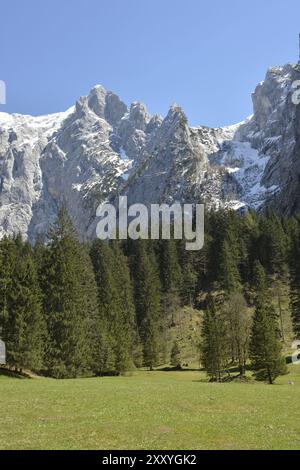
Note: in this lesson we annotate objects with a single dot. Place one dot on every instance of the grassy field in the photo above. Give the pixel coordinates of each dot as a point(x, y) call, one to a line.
point(149, 410)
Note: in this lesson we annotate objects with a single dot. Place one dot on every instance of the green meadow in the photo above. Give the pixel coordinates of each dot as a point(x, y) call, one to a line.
point(149, 410)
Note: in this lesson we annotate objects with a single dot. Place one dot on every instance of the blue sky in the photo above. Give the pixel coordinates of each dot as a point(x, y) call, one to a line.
point(207, 56)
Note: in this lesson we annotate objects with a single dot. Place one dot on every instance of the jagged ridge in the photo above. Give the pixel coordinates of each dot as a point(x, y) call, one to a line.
point(99, 149)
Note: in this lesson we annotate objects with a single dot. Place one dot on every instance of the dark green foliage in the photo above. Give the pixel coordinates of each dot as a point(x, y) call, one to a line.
point(259, 279)
point(170, 271)
point(106, 328)
point(116, 305)
point(272, 243)
point(69, 301)
point(192, 266)
point(69, 308)
point(295, 277)
point(147, 300)
point(170, 275)
point(128, 337)
point(229, 276)
point(8, 259)
point(265, 348)
point(22, 324)
point(224, 251)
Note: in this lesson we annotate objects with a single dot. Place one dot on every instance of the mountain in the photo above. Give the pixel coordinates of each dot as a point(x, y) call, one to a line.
point(100, 149)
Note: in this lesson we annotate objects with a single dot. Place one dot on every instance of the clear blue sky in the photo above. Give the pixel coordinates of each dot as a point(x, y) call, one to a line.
point(207, 56)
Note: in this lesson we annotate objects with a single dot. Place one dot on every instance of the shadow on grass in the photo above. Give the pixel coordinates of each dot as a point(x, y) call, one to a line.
point(11, 374)
point(177, 369)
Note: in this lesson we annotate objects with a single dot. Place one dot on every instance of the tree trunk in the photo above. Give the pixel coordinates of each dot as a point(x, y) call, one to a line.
point(270, 376)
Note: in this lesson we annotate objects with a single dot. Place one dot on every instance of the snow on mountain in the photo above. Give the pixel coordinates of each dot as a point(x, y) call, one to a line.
point(100, 148)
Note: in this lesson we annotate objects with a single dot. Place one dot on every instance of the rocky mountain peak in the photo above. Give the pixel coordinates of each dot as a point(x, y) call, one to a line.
point(96, 100)
point(139, 115)
point(115, 109)
point(176, 114)
point(100, 149)
point(105, 104)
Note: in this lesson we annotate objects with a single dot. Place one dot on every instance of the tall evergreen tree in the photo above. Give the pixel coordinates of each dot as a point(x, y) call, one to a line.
point(192, 269)
point(67, 301)
point(170, 271)
point(170, 275)
point(224, 251)
point(265, 348)
point(23, 325)
point(117, 311)
point(8, 259)
point(294, 265)
point(147, 300)
point(272, 243)
point(229, 276)
point(128, 336)
point(106, 327)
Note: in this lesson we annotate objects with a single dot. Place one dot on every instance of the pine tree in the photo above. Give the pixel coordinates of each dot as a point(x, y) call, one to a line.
point(67, 301)
point(265, 348)
point(192, 270)
point(223, 264)
point(117, 310)
point(170, 271)
point(23, 326)
point(106, 327)
point(259, 279)
point(8, 257)
point(147, 300)
point(272, 243)
point(176, 356)
point(216, 232)
point(170, 275)
point(229, 276)
point(260, 283)
point(294, 265)
point(128, 337)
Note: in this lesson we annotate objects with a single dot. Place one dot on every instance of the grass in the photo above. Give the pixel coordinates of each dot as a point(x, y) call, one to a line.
point(149, 410)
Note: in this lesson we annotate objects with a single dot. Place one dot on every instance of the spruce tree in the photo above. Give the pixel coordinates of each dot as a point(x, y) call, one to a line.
point(191, 264)
point(229, 276)
point(272, 243)
point(106, 326)
point(223, 255)
point(147, 300)
point(8, 257)
point(67, 301)
point(170, 271)
point(23, 326)
point(294, 265)
point(259, 279)
point(170, 275)
point(128, 339)
point(116, 303)
point(265, 348)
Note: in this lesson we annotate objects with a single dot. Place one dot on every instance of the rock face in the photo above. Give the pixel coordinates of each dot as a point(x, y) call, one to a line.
point(100, 149)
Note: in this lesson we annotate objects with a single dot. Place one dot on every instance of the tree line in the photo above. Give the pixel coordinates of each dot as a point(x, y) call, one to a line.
point(69, 309)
